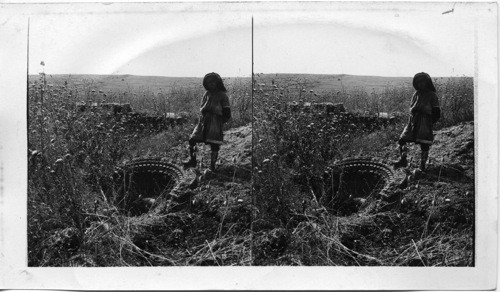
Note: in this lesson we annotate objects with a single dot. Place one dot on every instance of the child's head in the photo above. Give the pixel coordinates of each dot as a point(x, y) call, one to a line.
point(213, 82)
point(423, 82)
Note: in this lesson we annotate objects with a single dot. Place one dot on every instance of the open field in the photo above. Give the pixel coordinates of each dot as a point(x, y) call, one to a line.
point(269, 215)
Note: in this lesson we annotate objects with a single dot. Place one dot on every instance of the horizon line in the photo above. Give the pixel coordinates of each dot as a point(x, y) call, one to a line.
point(275, 73)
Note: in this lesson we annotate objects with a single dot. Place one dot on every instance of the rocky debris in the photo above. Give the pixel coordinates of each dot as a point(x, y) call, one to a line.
point(67, 239)
point(134, 120)
point(111, 107)
point(316, 107)
point(138, 120)
point(339, 114)
point(272, 243)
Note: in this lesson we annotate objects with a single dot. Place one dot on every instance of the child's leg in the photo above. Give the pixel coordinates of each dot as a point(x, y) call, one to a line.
point(214, 155)
point(403, 150)
point(192, 146)
point(192, 154)
point(403, 153)
point(424, 155)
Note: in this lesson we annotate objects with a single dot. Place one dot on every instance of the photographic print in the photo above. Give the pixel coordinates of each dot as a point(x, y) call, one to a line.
point(249, 145)
point(364, 137)
point(138, 150)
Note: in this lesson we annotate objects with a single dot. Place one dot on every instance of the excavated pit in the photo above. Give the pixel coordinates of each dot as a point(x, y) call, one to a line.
point(139, 184)
point(352, 183)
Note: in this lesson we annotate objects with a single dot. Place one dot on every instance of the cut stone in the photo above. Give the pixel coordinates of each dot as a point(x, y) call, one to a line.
point(351, 183)
point(140, 183)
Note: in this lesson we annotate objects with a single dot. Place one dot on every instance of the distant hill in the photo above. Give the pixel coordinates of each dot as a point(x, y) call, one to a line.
point(328, 82)
point(123, 82)
point(317, 82)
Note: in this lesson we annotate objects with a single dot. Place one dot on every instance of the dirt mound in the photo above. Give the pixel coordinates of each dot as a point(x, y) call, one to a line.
point(238, 147)
point(454, 151)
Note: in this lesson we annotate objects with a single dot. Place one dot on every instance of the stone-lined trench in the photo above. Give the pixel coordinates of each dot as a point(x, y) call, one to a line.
point(139, 184)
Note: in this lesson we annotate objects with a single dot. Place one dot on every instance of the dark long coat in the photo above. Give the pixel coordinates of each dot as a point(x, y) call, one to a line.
point(209, 127)
point(419, 127)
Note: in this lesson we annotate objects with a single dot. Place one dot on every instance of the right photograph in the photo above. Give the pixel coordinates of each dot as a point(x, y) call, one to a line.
point(363, 135)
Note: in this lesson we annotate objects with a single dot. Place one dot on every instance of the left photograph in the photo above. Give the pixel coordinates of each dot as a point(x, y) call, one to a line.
point(139, 135)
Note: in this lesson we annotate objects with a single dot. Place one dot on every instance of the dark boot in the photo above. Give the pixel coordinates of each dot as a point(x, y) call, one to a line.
point(192, 158)
point(402, 162)
point(423, 159)
point(213, 159)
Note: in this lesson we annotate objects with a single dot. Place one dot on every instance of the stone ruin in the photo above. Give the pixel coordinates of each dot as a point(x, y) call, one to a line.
point(134, 119)
point(340, 114)
point(318, 107)
point(114, 108)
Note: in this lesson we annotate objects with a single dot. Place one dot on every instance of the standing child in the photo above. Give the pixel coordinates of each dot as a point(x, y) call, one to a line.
point(215, 111)
point(425, 111)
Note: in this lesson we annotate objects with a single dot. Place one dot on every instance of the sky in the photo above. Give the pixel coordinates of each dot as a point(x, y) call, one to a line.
point(189, 40)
